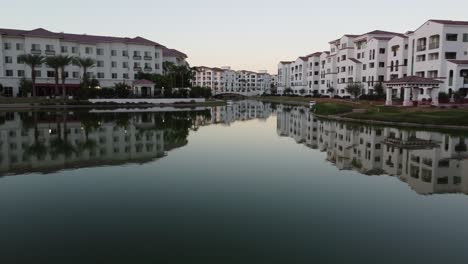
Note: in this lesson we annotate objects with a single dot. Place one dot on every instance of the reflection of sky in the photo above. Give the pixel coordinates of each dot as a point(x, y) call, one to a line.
point(232, 191)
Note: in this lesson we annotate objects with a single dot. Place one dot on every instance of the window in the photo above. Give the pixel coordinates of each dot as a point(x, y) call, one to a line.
point(20, 73)
point(364, 67)
point(450, 55)
point(50, 74)
point(452, 37)
point(100, 52)
point(19, 46)
point(125, 75)
point(382, 51)
point(8, 91)
point(125, 53)
point(371, 65)
point(7, 45)
point(38, 73)
point(114, 75)
point(50, 47)
point(382, 64)
point(36, 47)
point(8, 59)
point(125, 65)
point(114, 64)
point(9, 73)
point(465, 37)
point(100, 64)
point(100, 75)
point(433, 56)
point(89, 50)
point(432, 74)
point(421, 58)
point(113, 53)
point(156, 66)
point(74, 50)
point(76, 75)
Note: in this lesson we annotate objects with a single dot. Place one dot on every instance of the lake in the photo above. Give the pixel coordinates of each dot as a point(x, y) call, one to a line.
point(248, 183)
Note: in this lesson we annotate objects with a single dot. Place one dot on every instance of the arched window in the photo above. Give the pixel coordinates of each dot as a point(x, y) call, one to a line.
point(451, 78)
point(397, 64)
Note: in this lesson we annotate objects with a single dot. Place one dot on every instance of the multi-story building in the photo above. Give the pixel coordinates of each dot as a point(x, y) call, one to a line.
point(174, 56)
point(284, 76)
point(436, 50)
point(118, 59)
point(226, 80)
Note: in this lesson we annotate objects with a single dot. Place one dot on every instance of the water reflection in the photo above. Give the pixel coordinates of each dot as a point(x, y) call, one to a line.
point(429, 162)
point(43, 142)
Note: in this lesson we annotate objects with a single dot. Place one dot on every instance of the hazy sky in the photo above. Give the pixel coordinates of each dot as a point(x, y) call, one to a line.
point(244, 34)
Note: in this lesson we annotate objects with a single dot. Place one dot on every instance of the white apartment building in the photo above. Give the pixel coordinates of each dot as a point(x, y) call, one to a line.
point(118, 59)
point(437, 50)
point(225, 80)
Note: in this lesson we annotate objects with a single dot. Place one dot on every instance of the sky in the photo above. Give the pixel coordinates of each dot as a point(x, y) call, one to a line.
point(244, 34)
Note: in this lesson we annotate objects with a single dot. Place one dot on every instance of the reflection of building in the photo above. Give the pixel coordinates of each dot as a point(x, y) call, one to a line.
point(50, 142)
point(241, 111)
point(430, 162)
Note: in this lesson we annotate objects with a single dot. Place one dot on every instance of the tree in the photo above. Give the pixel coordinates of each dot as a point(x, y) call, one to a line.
point(85, 64)
point(25, 86)
point(64, 61)
point(379, 89)
point(288, 91)
point(33, 61)
point(331, 90)
point(122, 90)
point(354, 89)
point(302, 91)
point(54, 63)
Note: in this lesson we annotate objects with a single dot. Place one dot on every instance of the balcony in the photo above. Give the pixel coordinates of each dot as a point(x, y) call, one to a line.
point(136, 57)
point(137, 69)
point(148, 58)
point(148, 69)
point(50, 52)
point(434, 45)
point(421, 47)
point(36, 51)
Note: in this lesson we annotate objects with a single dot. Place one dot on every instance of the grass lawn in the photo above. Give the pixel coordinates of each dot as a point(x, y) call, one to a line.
point(404, 115)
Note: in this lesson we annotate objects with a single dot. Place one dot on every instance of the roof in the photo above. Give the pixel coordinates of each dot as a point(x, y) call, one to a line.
point(450, 22)
point(143, 82)
point(414, 80)
point(354, 60)
point(173, 53)
point(459, 62)
point(82, 38)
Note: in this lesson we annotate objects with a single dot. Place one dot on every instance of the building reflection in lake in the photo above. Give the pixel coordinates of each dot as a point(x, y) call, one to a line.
point(430, 162)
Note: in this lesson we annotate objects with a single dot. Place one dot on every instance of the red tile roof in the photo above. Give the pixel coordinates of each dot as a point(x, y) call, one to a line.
point(83, 38)
point(459, 62)
point(173, 53)
point(143, 82)
point(414, 80)
point(450, 22)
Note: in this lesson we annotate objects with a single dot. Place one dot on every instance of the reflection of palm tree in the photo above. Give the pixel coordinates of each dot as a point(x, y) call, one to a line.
point(62, 145)
point(37, 149)
point(89, 144)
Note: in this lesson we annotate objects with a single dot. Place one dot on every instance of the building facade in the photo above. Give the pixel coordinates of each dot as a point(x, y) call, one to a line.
point(225, 80)
point(437, 50)
point(118, 59)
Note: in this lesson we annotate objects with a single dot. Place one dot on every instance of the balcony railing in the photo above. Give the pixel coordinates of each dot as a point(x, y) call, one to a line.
point(421, 48)
point(50, 52)
point(36, 51)
point(148, 58)
point(137, 57)
point(148, 69)
point(137, 68)
point(433, 46)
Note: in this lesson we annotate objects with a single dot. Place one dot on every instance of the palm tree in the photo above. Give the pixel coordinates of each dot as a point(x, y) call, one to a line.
point(84, 64)
point(54, 63)
point(32, 61)
point(63, 61)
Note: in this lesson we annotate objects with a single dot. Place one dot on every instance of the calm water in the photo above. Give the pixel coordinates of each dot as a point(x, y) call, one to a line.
point(251, 183)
